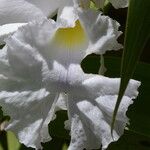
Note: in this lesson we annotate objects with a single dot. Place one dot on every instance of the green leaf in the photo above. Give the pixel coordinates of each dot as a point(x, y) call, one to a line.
point(55, 144)
point(139, 111)
point(1, 114)
point(8, 141)
point(131, 141)
point(56, 127)
point(1, 46)
point(137, 34)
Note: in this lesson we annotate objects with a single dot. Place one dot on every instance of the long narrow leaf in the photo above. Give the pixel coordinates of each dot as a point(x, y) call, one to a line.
point(137, 34)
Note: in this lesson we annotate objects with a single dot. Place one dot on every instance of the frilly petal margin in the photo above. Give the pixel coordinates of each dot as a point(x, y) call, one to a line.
point(30, 115)
point(14, 14)
point(107, 104)
point(8, 29)
point(101, 86)
point(22, 94)
point(90, 118)
point(102, 31)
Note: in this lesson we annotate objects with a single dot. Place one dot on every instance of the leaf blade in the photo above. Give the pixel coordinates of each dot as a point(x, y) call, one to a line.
point(137, 34)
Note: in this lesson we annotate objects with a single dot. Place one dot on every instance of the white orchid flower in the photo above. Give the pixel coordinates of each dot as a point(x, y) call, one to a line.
point(41, 61)
point(116, 3)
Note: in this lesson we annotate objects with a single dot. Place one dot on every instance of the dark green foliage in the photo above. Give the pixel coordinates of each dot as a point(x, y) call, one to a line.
point(137, 34)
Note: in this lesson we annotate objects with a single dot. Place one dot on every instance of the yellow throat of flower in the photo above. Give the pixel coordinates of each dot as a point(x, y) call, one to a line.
point(70, 37)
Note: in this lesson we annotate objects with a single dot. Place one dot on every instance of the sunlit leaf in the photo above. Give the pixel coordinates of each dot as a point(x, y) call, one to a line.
point(8, 141)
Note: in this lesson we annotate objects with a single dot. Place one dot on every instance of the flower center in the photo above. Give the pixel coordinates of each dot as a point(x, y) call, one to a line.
point(71, 37)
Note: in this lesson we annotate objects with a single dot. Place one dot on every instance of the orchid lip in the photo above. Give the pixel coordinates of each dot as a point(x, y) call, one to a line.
point(70, 37)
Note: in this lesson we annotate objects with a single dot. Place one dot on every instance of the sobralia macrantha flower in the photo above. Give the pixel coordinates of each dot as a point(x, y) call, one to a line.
point(41, 61)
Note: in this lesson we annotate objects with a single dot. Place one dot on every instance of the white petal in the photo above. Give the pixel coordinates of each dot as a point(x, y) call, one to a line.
point(26, 49)
point(18, 11)
point(65, 79)
point(67, 16)
point(32, 57)
point(8, 81)
point(23, 70)
point(98, 117)
point(82, 129)
point(102, 31)
point(119, 3)
point(6, 30)
point(92, 108)
point(69, 44)
point(61, 102)
point(35, 36)
point(91, 121)
point(23, 60)
point(101, 85)
point(29, 112)
point(46, 37)
point(107, 104)
point(78, 137)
